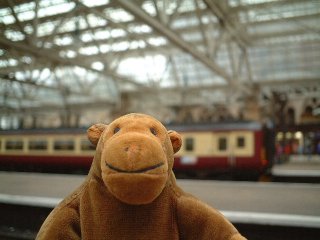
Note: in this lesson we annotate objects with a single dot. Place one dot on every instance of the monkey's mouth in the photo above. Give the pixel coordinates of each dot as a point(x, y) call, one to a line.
point(141, 170)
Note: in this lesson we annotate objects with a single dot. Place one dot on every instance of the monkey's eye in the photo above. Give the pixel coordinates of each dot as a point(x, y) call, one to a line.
point(153, 131)
point(117, 129)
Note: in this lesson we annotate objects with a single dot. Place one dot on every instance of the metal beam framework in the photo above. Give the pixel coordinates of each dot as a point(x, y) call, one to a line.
point(188, 47)
point(47, 54)
point(165, 31)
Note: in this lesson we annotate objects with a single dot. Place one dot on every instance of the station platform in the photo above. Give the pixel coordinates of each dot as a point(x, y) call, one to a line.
point(297, 169)
point(280, 204)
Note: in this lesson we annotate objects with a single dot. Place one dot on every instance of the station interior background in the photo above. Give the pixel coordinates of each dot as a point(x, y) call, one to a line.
point(68, 64)
point(72, 63)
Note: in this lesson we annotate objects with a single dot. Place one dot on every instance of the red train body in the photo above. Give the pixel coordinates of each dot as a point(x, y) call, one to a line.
point(208, 150)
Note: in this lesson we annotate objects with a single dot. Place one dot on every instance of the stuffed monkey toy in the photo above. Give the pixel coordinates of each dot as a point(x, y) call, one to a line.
point(131, 192)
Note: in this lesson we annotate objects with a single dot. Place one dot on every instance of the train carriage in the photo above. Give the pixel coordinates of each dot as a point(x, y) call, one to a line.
point(223, 148)
point(49, 150)
point(207, 150)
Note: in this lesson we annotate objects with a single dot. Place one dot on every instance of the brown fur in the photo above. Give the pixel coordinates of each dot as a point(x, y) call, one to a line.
point(131, 191)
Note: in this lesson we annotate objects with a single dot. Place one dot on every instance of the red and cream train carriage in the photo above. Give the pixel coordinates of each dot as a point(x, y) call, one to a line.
point(237, 148)
point(50, 150)
point(207, 149)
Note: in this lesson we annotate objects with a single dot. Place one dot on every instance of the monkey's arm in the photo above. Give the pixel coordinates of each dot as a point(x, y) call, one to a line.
point(63, 224)
point(64, 220)
point(197, 220)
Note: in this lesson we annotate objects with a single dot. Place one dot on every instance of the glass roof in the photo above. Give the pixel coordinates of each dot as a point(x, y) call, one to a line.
point(101, 49)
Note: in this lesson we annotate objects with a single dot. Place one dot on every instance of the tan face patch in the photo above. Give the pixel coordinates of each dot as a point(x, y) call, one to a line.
point(136, 156)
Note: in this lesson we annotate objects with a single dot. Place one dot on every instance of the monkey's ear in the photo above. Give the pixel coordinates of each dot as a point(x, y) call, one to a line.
point(94, 132)
point(175, 140)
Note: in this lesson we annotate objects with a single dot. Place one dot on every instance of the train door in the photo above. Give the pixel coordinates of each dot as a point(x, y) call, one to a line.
point(236, 147)
point(242, 148)
point(223, 151)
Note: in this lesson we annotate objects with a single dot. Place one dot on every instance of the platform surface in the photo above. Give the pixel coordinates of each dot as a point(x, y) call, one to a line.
point(297, 169)
point(295, 202)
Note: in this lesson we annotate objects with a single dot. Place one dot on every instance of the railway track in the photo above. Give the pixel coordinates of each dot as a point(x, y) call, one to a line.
point(23, 222)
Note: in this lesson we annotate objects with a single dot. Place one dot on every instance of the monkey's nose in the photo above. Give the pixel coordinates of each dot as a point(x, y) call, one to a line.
point(132, 148)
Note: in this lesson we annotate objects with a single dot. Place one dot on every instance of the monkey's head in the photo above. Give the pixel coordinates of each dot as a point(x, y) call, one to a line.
point(136, 156)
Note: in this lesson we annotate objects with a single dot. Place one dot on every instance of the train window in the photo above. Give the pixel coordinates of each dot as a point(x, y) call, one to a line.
point(222, 144)
point(14, 145)
point(86, 145)
point(240, 142)
point(189, 144)
point(38, 145)
point(63, 145)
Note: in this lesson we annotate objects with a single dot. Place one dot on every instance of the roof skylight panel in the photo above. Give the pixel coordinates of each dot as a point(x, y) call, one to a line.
point(14, 35)
point(121, 46)
point(157, 41)
point(90, 50)
point(24, 7)
point(149, 7)
point(91, 3)
point(117, 32)
point(7, 19)
point(4, 12)
point(135, 44)
point(118, 15)
point(67, 40)
point(139, 28)
point(86, 37)
point(250, 2)
point(73, 24)
point(46, 28)
point(25, 16)
point(95, 21)
point(283, 11)
point(56, 9)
